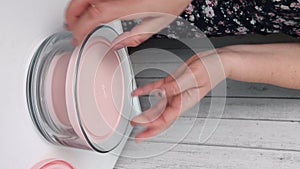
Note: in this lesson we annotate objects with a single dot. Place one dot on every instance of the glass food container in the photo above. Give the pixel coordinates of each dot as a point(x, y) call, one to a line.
point(80, 97)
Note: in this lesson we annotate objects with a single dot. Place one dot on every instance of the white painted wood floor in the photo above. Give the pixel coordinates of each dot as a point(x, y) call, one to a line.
point(260, 127)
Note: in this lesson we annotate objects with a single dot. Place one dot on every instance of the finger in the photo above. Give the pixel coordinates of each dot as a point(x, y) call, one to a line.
point(160, 124)
point(182, 79)
point(149, 26)
point(180, 103)
point(159, 114)
point(86, 23)
point(128, 40)
point(186, 76)
point(168, 85)
point(102, 13)
point(147, 88)
point(157, 84)
point(151, 114)
point(156, 127)
point(186, 81)
point(75, 9)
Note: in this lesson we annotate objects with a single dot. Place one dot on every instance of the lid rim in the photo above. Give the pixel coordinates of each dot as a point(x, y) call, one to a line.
point(82, 127)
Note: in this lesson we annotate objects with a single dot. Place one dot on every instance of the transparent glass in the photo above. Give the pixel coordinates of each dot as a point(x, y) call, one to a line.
point(80, 97)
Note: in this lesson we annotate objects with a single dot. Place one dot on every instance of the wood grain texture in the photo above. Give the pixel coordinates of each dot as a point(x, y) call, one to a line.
point(236, 133)
point(185, 156)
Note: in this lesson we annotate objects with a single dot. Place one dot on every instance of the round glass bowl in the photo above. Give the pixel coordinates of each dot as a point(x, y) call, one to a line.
point(81, 97)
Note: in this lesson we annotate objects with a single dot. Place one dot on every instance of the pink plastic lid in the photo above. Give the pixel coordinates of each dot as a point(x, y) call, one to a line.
point(96, 87)
point(53, 164)
point(99, 79)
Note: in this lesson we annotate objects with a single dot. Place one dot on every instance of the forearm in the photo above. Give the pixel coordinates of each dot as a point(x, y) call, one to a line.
point(276, 64)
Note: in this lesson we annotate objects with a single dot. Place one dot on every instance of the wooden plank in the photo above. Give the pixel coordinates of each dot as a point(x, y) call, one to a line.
point(245, 108)
point(243, 89)
point(237, 133)
point(207, 157)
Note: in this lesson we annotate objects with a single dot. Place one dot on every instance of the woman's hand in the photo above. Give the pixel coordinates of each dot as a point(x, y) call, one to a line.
point(179, 91)
point(82, 16)
point(276, 64)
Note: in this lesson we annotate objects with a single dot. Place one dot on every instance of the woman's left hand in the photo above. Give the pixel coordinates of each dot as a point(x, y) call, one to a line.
point(82, 16)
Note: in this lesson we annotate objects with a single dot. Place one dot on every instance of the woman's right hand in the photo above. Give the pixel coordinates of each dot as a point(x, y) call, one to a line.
point(276, 64)
point(82, 16)
point(180, 91)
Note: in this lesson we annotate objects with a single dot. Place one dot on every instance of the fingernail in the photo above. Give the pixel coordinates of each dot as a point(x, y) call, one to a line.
point(132, 123)
point(74, 42)
point(66, 26)
point(140, 119)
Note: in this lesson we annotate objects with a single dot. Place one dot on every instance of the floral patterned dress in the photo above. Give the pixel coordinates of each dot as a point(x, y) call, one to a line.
point(231, 17)
point(236, 17)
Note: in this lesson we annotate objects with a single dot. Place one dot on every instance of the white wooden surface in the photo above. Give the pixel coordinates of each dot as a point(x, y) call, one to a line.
point(259, 128)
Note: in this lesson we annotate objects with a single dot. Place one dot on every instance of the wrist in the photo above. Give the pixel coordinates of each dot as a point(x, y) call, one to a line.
point(275, 64)
point(226, 56)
